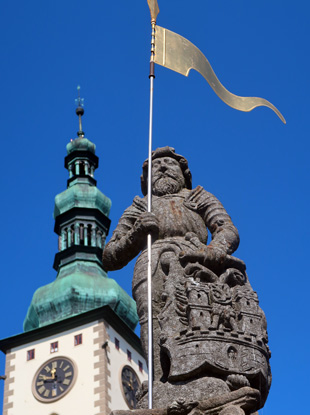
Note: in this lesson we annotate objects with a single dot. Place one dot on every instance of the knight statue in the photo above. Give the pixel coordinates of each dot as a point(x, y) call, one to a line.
point(210, 335)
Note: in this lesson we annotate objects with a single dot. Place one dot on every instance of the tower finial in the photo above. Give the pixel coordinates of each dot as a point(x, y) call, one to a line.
point(80, 111)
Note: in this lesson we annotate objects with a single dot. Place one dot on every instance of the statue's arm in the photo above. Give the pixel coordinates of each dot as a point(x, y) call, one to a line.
point(225, 235)
point(129, 237)
point(121, 248)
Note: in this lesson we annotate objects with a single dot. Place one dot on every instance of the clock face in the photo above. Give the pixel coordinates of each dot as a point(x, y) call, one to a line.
point(54, 379)
point(130, 385)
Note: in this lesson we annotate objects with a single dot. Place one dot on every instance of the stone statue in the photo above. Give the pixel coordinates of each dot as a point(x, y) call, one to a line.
point(210, 338)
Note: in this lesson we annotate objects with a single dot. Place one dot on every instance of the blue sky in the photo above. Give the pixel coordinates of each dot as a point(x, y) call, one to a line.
point(254, 164)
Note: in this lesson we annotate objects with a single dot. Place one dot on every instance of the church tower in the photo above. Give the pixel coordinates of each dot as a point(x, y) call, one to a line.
point(78, 353)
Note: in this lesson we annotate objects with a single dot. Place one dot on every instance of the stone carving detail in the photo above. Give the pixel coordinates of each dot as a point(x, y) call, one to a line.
point(210, 335)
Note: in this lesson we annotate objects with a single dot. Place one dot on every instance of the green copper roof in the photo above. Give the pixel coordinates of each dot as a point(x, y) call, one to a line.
point(81, 144)
point(80, 286)
point(82, 195)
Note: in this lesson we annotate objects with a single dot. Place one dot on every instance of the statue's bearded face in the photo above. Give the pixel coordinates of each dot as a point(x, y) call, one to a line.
point(167, 176)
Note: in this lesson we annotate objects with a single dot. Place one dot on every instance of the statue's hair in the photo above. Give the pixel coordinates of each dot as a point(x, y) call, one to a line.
point(166, 152)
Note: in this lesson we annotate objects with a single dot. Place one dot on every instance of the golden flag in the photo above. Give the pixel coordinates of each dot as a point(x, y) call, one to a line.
point(177, 53)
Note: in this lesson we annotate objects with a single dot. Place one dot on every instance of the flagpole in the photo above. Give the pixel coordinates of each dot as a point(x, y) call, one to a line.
point(149, 237)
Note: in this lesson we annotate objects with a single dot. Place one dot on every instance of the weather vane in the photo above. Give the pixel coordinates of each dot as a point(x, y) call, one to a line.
point(174, 52)
point(79, 111)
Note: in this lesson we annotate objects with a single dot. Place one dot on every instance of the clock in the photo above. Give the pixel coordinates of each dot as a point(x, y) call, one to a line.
point(54, 379)
point(130, 383)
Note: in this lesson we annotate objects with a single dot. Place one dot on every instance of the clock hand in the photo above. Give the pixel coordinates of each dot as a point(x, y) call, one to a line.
point(45, 378)
point(53, 371)
point(129, 384)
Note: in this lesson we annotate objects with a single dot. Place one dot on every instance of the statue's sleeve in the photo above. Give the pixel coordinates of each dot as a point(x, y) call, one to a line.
point(224, 234)
point(123, 245)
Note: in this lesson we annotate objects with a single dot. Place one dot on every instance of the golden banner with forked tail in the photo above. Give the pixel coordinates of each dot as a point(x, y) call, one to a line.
point(177, 53)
